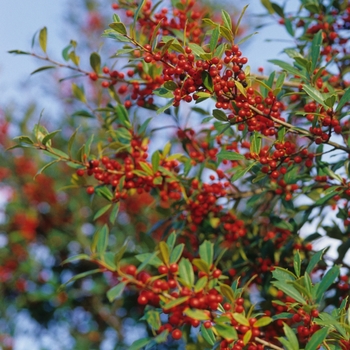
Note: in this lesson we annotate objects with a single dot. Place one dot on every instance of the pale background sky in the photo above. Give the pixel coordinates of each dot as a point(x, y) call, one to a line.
point(20, 19)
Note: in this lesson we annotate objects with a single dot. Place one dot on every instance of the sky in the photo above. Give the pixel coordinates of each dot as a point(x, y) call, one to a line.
point(19, 20)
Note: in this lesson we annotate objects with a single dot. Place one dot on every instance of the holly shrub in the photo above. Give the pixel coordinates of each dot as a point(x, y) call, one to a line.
point(180, 201)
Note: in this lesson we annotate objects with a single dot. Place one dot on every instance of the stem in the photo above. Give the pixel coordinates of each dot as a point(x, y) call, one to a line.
point(261, 341)
point(299, 130)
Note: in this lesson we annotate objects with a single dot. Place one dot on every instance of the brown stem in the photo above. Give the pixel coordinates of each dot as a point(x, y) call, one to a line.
point(266, 343)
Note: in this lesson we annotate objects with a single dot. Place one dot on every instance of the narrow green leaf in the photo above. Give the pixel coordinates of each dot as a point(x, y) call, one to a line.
point(228, 155)
point(105, 192)
point(153, 319)
point(240, 172)
point(88, 145)
point(315, 94)
point(240, 19)
point(144, 125)
point(214, 39)
point(207, 81)
point(186, 272)
point(140, 344)
point(71, 141)
point(293, 340)
point(297, 263)
point(176, 253)
point(288, 68)
point(164, 108)
point(171, 241)
point(344, 99)
point(175, 302)
point(200, 284)
point(41, 69)
point(24, 139)
point(241, 319)
point(100, 240)
point(43, 38)
point(155, 161)
point(317, 339)
point(206, 252)
point(164, 251)
point(101, 211)
point(220, 115)
point(46, 166)
point(78, 92)
point(327, 281)
point(226, 331)
point(76, 258)
point(227, 292)
point(290, 291)
point(95, 62)
point(80, 275)
point(151, 259)
point(315, 49)
point(255, 143)
point(118, 256)
point(136, 15)
point(267, 4)
point(197, 314)
point(114, 213)
point(116, 292)
point(208, 335)
point(263, 321)
point(19, 52)
point(226, 18)
point(83, 113)
point(47, 138)
point(119, 27)
point(244, 39)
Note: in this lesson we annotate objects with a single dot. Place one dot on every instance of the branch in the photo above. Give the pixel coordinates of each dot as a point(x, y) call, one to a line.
point(272, 346)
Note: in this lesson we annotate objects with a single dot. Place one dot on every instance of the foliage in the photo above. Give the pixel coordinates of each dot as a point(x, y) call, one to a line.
point(206, 240)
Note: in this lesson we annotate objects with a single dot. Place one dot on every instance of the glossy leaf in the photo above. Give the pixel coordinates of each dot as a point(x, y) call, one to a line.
point(43, 39)
point(116, 292)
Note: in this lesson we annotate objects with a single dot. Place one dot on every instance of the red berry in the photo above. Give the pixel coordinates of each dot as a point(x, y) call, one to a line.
point(90, 190)
point(176, 334)
point(93, 76)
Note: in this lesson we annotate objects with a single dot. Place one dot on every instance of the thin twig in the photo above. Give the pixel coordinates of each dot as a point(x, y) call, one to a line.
point(266, 343)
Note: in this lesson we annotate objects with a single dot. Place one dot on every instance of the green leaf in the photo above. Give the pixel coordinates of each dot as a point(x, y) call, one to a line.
point(100, 240)
point(208, 335)
point(175, 302)
point(164, 108)
point(24, 139)
point(41, 69)
point(119, 27)
point(155, 161)
point(101, 211)
point(214, 39)
point(78, 92)
point(255, 143)
point(116, 292)
point(317, 339)
point(47, 138)
point(200, 284)
point(153, 319)
point(83, 113)
point(45, 167)
point(43, 38)
point(220, 115)
point(118, 256)
point(148, 259)
point(105, 192)
point(80, 275)
point(314, 261)
point(186, 272)
point(244, 39)
point(326, 282)
point(263, 321)
point(76, 258)
point(326, 198)
point(241, 319)
point(297, 263)
point(315, 95)
point(140, 344)
point(95, 62)
point(206, 252)
point(226, 331)
point(240, 19)
point(241, 172)
point(170, 85)
point(176, 253)
point(292, 338)
point(136, 16)
point(288, 68)
point(315, 49)
point(71, 141)
point(226, 18)
point(228, 155)
point(171, 240)
point(196, 314)
point(344, 99)
point(144, 125)
point(19, 52)
point(207, 81)
point(88, 145)
point(114, 213)
point(164, 251)
point(227, 292)
point(201, 265)
point(241, 88)
point(267, 4)
point(290, 291)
